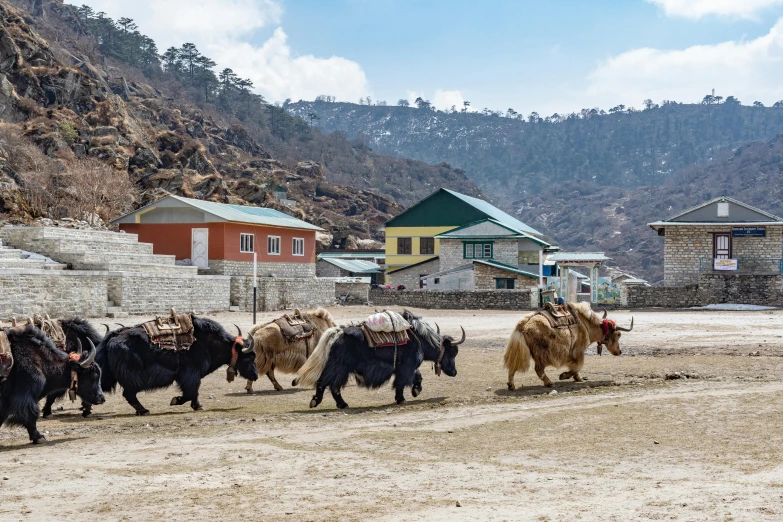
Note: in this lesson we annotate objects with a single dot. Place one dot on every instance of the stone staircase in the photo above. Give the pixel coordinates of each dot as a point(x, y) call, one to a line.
point(93, 250)
point(11, 259)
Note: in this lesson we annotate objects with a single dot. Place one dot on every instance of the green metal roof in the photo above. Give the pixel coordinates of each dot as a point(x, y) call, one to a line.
point(492, 262)
point(515, 234)
point(357, 266)
point(494, 213)
point(248, 214)
point(562, 257)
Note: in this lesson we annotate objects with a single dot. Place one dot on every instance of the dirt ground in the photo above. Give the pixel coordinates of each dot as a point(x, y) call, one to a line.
point(625, 445)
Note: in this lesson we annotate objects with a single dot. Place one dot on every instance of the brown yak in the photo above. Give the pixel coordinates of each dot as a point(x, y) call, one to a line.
point(534, 338)
point(274, 352)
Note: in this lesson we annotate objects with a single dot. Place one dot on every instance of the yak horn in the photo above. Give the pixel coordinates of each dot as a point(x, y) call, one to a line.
point(249, 348)
point(107, 328)
point(620, 328)
point(239, 330)
point(78, 346)
point(461, 340)
point(120, 325)
point(90, 358)
point(437, 328)
point(605, 313)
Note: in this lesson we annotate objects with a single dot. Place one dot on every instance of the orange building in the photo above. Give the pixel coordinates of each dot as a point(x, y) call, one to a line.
point(221, 238)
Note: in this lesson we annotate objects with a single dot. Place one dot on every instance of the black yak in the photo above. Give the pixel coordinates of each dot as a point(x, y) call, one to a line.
point(130, 359)
point(343, 351)
point(77, 333)
point(41, 369)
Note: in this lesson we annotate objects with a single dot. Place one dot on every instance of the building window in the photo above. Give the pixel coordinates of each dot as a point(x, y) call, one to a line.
point(437, 280)
point(723, 210)
point(273, 245)
point(247, 243)
point(298, 246)
point(477, 250)
point(404, 245)
point(427, 245)
point(502, 283)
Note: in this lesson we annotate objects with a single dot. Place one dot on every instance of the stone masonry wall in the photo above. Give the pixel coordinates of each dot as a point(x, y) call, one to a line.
point(410, 276)
point(452, 254)
point(685, 246)
point(325, 269)
point(242, 268)
point(279, 293)
point(64, 294)
point(764, 290)
point(358, 293)
point(145, 294)
point(484, 277)
point(453, 299)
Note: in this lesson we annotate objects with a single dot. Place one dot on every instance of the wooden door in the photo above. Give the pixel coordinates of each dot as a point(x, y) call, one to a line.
point(721, 246)
point(200, 249)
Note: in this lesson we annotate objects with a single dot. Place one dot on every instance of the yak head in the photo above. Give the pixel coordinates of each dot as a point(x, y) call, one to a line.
point(611, 335)
point(88, 374)
point(246, 356)
point(449, 348)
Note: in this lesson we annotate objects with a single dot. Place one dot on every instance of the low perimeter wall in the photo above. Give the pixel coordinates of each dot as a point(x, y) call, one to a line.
point(145, 294)
point(358, 293)
point(763, 290)
point(455, 299)
point(279, 293)
point(57, 293)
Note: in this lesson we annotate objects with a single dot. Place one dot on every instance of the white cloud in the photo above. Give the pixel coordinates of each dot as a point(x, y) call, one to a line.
point(696, 9)
point(750, 70)
point(447, 99)
point(224, 30)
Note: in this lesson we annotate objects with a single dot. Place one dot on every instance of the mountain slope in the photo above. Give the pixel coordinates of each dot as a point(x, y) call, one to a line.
point(72, 100)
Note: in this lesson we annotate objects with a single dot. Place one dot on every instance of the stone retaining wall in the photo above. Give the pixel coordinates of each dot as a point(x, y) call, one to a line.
point(144, 294)
point(358, 293)
point(455, 299)
point(764, 290)
point(243, 268)
point(62, 294)
point(279, 293)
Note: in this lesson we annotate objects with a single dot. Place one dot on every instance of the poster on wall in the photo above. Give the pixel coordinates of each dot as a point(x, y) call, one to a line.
point(749, 232)
point(608, 292)
point(726, 264)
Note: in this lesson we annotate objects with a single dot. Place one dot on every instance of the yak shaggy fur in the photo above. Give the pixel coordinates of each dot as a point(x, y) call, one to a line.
point(274, 352)
point(534, 338)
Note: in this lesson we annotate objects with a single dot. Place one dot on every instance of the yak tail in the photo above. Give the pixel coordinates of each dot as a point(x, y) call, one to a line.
point(314, 366)
point(517, 355)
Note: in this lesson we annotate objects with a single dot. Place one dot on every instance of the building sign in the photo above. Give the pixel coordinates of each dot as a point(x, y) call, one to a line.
point(726, 264)
point(749, 232)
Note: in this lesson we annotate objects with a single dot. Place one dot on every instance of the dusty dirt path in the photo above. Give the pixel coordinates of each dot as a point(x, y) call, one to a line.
point(586, 453)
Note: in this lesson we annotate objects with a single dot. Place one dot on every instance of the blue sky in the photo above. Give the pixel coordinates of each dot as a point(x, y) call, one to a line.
point(547, 56)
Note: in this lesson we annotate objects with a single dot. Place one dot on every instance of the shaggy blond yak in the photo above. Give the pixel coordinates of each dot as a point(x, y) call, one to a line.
point(274, 352)
point(534, 338)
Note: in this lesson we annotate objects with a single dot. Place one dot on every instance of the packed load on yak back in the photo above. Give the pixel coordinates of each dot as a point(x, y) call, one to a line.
point(6, 357)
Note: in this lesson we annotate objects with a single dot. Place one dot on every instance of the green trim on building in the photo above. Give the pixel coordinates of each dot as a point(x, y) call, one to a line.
point(484, 244)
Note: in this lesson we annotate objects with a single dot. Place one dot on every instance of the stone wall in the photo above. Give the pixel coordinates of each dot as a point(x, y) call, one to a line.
point(484, 277)
point(454, 299)
point(326, 269)
point(452, 252)
point(281, 293)
point(243, 268)
point(685, 246)
point(358, 293)
point(63, 294)
point(145, 294)
point(764, 290)
point(410, 276)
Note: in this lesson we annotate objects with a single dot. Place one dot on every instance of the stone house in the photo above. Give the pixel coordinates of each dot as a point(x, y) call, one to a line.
point(332, 266)
point(222, 239)
point(720, 236)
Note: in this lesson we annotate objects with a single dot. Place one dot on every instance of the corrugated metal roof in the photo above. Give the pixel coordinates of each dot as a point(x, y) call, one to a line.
point(504, 266)
point(515, 234)
point(248, 214)
point(561, 257)
point(494, 212)
point(725, 199)
point(356, 266)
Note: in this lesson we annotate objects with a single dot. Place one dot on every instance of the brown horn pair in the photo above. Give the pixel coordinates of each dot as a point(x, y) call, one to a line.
point(621, 329)
point(461, 340)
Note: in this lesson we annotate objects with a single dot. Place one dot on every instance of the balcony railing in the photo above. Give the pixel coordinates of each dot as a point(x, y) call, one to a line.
point(745, 265)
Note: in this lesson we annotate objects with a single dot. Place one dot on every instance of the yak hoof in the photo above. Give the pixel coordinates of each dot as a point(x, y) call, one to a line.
point(249, 390)
point(400, 401)
point(565, 376)
point(415, 391)
point(511, 387)
point(46, 414)
point(142, 413)
point(41, 440)
point(295, 382)
point(342, 406)
point(549, 384)
point(86, 413)
point(313, 402)
point(174, 401)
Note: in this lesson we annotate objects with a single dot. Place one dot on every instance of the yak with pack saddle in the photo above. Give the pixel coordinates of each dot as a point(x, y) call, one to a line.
point(559, 336)
point(41, 369)
point(285, 343)
point(180, 348)
point(374, 357)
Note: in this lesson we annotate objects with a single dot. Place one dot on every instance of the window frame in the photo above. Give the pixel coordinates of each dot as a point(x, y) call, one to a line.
point(293, 246)
point(430, 242)
point(402, 241)
point(483, 245)
point(506, 279)
point(268, 245)
point(242, 237)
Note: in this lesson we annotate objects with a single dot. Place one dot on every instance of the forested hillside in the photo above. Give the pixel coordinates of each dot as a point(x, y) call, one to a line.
point(89, 93)
point(590, 180)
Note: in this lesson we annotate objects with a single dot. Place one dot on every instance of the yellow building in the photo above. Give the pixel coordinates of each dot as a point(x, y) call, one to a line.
point(411, 236)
